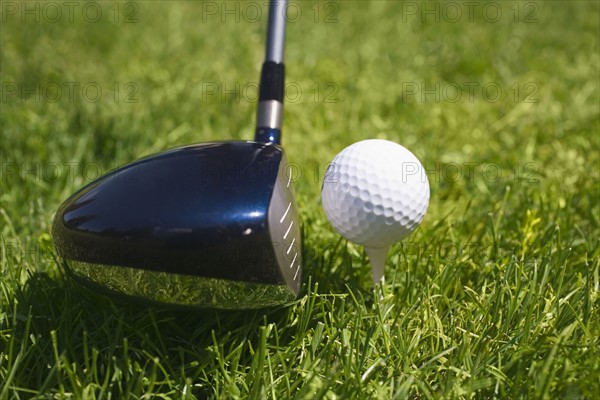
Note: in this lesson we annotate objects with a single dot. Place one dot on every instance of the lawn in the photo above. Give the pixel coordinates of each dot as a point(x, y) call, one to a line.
point(496, 295)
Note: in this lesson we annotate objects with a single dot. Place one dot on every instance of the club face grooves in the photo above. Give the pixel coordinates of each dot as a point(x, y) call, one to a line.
point(284, 226)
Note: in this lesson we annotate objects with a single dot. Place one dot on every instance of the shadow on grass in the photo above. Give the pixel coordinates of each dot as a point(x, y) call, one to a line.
point(63, 298)
point(59, 322)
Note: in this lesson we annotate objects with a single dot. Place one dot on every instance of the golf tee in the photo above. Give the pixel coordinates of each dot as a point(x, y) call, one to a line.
point(377, 257)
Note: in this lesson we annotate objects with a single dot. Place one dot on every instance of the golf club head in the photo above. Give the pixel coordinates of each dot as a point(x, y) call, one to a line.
point(209, 225)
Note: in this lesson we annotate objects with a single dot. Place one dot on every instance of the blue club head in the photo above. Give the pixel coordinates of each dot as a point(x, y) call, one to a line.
point(209, 225)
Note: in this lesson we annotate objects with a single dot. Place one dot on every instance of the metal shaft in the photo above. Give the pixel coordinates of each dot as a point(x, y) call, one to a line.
point(276, 31)
point(271, 90)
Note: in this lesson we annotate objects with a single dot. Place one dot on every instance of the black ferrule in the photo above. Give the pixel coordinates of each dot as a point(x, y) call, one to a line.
point(271, 82)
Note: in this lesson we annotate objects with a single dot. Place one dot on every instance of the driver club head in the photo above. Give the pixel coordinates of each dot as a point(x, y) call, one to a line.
point(207, 225)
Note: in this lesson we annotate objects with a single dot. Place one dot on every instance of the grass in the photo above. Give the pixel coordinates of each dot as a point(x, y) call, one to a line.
point(495, 296)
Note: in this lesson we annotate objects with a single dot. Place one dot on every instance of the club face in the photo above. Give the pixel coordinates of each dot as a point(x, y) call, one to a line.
point(208, 225)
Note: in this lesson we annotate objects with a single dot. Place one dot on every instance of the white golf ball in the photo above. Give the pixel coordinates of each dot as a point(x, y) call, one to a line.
point(375, 193)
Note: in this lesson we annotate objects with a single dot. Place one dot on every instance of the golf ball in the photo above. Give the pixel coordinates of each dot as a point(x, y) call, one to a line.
point(375, 193)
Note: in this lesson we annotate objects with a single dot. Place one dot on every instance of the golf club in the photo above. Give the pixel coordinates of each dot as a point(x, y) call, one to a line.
point(210, 225)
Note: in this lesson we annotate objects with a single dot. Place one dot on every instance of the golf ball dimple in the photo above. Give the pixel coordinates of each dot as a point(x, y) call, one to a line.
point(375, 192)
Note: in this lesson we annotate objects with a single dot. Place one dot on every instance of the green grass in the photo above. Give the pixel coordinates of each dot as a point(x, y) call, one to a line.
point(495, 296)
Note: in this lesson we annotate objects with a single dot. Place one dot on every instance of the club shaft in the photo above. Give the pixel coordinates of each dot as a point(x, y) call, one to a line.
point(276, 31)
point(270, 102)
